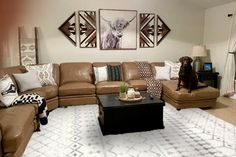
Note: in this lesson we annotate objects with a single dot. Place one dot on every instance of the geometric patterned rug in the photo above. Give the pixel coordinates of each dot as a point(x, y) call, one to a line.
point(75, 132)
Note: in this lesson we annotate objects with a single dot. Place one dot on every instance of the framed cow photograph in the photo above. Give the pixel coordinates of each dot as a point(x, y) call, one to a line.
point(118, 29)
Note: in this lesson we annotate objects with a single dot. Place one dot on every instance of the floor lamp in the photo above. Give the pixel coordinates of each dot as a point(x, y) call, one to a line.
point(197, 52)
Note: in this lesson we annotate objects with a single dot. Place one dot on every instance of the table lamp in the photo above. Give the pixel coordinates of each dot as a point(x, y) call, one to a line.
point(197, 52)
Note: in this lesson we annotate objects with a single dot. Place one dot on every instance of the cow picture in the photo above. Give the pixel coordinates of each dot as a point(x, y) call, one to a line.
point(118, 29)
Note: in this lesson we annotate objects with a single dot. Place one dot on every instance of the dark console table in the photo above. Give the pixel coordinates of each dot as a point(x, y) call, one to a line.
point(209, 78)
point(116, 116)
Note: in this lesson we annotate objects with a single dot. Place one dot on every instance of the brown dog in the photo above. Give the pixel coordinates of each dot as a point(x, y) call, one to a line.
point(187, 76)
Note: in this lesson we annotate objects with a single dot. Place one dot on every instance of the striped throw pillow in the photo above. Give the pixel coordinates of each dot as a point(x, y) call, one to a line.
point(113, 72)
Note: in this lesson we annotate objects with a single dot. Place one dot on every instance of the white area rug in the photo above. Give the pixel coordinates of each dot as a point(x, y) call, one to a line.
point(75, 132)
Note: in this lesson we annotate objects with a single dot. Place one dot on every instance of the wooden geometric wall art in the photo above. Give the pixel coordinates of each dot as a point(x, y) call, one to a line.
point(68, 28)
point(28, 47)
point(87, 29)
point(147, 30)
point(162, 30)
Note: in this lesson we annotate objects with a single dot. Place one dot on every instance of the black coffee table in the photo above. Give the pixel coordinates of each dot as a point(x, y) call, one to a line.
point(116, 116)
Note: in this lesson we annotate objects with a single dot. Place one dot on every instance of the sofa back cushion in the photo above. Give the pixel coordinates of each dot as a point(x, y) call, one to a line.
point(76, 72)
point(12, 70)
point(101, 64)
point(130, 71)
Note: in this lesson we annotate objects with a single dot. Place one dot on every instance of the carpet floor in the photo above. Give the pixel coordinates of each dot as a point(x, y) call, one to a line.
point(75, 132)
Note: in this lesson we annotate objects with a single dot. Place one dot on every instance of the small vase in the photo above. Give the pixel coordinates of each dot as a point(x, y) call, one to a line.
point(122, 95)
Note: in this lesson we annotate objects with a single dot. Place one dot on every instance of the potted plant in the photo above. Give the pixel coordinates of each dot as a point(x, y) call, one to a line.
point(123, 89)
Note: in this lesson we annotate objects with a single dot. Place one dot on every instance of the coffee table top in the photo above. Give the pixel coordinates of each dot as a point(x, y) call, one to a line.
point(113, 101)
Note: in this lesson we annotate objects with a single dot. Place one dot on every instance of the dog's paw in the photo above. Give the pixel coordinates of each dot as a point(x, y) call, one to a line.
point(177, 89)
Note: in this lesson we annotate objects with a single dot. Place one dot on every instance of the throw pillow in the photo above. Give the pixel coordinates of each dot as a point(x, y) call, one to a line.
point(27, 81)
point(8, 91)
point(44, 73)
point(100, 74)
point(113, 72)
point(174, 69)
point(162, 73)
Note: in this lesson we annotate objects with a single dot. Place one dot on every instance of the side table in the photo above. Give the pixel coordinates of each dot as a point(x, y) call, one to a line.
point(209, 78)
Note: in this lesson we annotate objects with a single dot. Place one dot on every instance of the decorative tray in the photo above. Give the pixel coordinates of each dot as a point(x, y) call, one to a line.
point(131, 100)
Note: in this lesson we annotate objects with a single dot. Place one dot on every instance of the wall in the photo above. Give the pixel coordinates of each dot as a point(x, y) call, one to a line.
point(10, 12)
point(186, 23)
point(216, 33)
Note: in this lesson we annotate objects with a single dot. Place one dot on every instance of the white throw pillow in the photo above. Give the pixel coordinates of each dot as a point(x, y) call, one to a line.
point(174, 69)
point(100, 74)
point(44, 73)
point(27, 81)
point(8, 91)
point(162, 73)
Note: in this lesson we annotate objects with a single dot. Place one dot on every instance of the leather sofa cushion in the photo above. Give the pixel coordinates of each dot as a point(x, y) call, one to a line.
point(101, 64)
point(140, 84)
point(130, 71)
point(76, 88)
point(11, 70)
point(15, 122)
point(76, 72)
point(108, 87)
point(47, 92)
point(169, 88)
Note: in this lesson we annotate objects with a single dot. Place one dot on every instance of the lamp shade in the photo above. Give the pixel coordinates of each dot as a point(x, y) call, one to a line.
point(199, 51)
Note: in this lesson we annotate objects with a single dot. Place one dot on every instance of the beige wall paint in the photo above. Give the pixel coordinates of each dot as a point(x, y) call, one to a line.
point(216, 33)
point(186, 23)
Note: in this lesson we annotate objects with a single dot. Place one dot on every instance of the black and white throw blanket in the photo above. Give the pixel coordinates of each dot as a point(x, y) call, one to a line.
point(34, 98)
point(154, 87)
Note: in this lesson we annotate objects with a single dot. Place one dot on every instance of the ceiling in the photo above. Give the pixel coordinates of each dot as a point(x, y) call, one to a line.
point(209, 3)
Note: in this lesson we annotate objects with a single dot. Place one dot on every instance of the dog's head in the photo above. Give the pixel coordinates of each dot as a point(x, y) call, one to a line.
point(186, 61)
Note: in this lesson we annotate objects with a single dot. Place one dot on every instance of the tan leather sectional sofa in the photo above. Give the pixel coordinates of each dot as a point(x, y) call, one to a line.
point(75, 86)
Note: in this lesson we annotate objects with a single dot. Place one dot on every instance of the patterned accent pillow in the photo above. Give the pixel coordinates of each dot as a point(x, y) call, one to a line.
point(100, 74)
point(174, 69)
point(27, 81)
point(162, 73)
point(44, 73)
point(8, 91)
point(113, 72)
point(144, 69)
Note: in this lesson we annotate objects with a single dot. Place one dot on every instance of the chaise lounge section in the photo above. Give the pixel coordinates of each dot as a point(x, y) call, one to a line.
point(202, 98)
